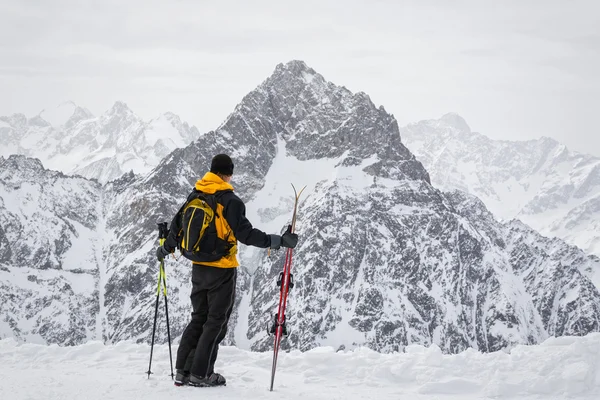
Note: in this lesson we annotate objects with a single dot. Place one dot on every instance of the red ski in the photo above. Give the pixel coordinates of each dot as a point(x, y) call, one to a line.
point(285, 282)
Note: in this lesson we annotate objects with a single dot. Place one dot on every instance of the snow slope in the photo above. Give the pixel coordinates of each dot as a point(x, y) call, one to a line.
point(560, 368)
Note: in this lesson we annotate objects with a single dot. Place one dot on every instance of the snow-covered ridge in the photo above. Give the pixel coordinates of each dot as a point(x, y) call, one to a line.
point(541, 182)
point(70, 139)
point(557, 369)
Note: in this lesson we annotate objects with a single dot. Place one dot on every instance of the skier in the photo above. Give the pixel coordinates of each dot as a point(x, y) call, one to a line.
point(213, 283)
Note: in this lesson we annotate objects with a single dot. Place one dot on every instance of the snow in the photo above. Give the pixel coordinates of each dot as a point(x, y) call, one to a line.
point(34, 138)
point(307, 77)
point(18, 280)
point(162, 129)
point(81, 256)
point(278, 193)
point(343, 332)
point(77, 157)
point(243, 313)
point(559, 368)
point(59, 115)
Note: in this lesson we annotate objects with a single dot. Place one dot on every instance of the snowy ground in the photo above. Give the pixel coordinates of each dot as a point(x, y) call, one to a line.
point(563, 368)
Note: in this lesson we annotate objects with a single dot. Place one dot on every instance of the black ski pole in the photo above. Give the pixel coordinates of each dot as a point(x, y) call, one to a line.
point(167, 316)
point(154, 327)
point(162, 234)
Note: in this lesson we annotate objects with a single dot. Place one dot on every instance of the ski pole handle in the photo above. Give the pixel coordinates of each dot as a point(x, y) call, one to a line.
point(163, 230)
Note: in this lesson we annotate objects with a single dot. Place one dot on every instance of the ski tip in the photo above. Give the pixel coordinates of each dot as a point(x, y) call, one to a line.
point(296, 192)
point(301, 190)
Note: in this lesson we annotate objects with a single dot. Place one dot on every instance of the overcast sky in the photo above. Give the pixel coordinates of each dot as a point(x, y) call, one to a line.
point(512, 69)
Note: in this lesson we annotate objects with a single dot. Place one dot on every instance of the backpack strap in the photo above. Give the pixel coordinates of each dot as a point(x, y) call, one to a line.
point(195, 193)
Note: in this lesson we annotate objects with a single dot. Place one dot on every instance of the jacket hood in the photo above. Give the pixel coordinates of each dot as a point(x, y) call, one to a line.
point(212, 183)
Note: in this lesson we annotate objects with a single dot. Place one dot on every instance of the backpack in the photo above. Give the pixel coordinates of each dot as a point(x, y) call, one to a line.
point(199, 240)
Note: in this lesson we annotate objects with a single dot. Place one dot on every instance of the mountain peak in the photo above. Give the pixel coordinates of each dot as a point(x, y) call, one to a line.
point(456, 121)
point(295, 71)
point(294, 66)
point(19, 162)
point(172, 117)
point(320, 120)
point(79, 114)
point(119, 108)
point(548, 141)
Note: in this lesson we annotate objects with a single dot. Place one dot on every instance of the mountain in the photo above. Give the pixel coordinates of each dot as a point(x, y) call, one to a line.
point(70, 139)
point(385, 259)
point(541, 182)
point(50, 254)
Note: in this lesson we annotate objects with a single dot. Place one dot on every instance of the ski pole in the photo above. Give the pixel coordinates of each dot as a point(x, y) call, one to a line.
point(163, 231)
point(164, 277)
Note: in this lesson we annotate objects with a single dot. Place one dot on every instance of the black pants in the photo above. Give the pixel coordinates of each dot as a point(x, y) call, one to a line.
point(213, 294)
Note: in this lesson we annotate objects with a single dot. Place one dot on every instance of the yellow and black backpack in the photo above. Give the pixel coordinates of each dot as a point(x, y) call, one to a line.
point(198, 238)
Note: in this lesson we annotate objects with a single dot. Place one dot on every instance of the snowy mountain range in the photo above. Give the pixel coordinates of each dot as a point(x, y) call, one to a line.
point(385, 259)
point(540, 182)
point(70, 139)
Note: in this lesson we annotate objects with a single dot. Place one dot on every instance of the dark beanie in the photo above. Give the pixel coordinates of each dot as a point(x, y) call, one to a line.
point(221, 164)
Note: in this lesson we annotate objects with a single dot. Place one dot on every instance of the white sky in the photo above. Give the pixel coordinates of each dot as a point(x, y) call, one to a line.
point(512, 69)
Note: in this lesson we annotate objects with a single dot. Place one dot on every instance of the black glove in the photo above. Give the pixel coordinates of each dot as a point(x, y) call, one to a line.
point(288, 239)
point(161, 253)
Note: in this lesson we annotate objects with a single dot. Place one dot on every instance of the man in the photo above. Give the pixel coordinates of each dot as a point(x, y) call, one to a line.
point(213, 282)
